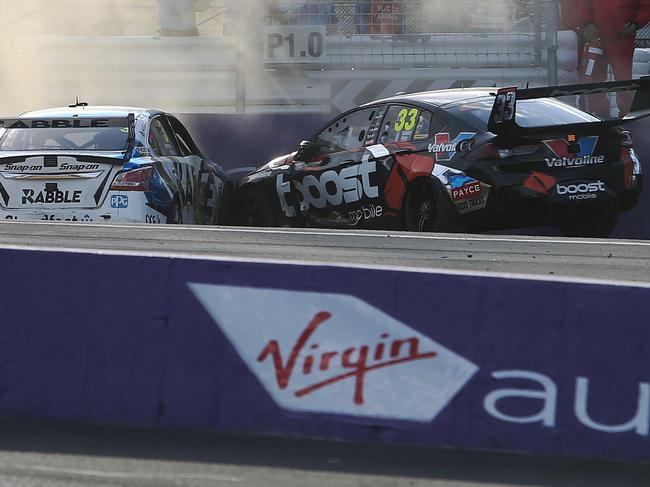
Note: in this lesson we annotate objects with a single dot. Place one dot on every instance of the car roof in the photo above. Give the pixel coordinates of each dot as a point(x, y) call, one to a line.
point(440, 98)
point(99, 111)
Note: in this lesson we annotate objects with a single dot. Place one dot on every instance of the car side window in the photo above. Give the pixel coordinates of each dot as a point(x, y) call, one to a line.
point(161, 138)
point(347, 132)
point(183, 138)
point(408, 124)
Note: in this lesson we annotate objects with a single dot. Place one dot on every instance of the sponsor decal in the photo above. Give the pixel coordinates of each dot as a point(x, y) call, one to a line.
point(581, 191)
point(143, 151)
point(335, 354)
point(259, 175)
point(50, 197)
point(82, 123)
point(540, 182)
point(445, 149)
point(378, 151)
point(72, 167)
point(22, 168)
point(153, 219)
point(74, 218)
point(473, 204)
point(467, 191)
point(564, 92)
point(119, 201)
point(565, 158)
point(348, 185)
point(533, 386)
point(78, 167)
point(367, 213)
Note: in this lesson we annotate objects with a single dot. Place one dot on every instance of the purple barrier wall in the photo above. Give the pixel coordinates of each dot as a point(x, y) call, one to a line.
point(249, 141)
point(470, 362)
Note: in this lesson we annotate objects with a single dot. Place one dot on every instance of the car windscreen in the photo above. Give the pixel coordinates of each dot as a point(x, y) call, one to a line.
point(46, 139)
point(541, 112)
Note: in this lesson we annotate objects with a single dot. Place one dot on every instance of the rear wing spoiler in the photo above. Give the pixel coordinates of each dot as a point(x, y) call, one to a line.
point(71, 123)
point(503, 119)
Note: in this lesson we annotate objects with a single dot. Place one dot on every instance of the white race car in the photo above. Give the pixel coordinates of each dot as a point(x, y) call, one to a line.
point(106, 164)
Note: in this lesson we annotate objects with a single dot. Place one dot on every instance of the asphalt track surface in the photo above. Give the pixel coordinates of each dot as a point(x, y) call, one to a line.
point(546, 257)
point(45, 454)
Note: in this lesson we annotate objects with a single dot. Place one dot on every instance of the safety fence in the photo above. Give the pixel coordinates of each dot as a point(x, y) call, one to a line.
point(487, 362)
point(264, 56)
point(403, 17)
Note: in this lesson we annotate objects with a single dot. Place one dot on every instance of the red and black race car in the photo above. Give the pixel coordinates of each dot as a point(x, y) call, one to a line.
point(458, 160)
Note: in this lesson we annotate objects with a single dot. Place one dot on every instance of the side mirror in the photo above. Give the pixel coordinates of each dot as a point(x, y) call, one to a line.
point(308, 149)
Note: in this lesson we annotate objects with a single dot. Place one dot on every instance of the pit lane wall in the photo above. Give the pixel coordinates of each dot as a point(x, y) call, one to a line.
point(465, 361)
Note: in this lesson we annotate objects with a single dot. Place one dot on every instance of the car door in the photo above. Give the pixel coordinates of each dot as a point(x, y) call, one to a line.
point(163, 146)
point(202, 182)
point(341, 178)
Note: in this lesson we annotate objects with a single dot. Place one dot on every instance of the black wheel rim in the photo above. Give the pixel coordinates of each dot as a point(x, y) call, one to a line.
point(423, 208)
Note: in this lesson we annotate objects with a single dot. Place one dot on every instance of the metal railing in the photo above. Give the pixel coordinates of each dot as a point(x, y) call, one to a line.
point(356, 54)
point(404, 17)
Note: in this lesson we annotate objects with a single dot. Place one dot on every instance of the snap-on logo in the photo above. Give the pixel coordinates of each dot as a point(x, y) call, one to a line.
point(330, 353)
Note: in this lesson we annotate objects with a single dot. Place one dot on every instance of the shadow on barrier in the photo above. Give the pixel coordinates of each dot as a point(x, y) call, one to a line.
point(316, 455)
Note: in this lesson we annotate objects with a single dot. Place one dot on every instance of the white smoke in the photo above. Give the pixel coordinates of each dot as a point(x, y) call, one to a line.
point(108, 52)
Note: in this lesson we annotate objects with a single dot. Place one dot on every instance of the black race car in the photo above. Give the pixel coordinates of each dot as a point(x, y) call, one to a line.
point(457, 160)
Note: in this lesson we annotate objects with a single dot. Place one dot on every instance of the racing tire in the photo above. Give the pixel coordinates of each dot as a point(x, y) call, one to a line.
point(428, 208)
point(224, 215)
point(596, 225)
point(253, 209)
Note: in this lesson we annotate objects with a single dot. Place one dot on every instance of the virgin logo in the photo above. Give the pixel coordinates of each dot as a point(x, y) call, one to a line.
point(360, 360)
point(332, 353)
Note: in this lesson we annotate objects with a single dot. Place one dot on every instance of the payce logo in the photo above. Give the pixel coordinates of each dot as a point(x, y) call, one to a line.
point(336, 354)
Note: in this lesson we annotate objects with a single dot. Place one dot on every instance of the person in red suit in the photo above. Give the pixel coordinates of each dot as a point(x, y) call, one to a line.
point(614, 23)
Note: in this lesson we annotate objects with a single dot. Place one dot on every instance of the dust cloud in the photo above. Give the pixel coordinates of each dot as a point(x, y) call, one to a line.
point(108, 51)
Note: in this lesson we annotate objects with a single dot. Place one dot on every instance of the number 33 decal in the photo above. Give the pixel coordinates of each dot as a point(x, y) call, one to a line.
point(407, 119)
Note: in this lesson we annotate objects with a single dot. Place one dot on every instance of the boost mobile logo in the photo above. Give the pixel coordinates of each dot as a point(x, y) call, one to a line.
point(348, 185)
point(330, 353)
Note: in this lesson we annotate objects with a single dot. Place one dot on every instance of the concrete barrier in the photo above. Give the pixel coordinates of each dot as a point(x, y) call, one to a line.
point(468, 361)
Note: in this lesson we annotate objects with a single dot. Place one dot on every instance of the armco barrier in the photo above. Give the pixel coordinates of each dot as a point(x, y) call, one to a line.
point(314, 351)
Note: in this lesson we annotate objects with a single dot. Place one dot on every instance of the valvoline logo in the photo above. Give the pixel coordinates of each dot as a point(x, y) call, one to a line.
point(445, 149)
point(565, 158)
point(335, 354)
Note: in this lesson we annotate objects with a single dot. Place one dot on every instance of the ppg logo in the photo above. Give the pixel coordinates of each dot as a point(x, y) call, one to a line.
point(119, 201)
